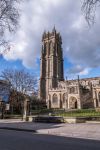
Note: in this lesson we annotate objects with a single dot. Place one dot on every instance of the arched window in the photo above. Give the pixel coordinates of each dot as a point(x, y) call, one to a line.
point(64, 98)
point(55, 99)
point(72, 90)
point(60, 86)
point(45, 48)
point(50, 48)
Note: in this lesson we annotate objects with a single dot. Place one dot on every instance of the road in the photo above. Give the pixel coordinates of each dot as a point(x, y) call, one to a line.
point(18, 140)
point(80, 130)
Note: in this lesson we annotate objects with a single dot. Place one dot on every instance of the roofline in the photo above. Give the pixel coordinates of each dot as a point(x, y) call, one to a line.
point(92, 78)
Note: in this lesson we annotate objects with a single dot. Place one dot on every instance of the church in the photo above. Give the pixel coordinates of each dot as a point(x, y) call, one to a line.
point(54, 90)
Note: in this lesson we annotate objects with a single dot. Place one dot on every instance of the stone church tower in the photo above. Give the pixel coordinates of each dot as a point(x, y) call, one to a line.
point(60, 93)
point(51, 71)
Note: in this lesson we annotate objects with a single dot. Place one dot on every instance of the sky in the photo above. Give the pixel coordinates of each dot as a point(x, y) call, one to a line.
point(81, 43)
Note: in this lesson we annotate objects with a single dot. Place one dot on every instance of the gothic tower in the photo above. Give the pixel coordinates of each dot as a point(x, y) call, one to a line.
point(51, 62)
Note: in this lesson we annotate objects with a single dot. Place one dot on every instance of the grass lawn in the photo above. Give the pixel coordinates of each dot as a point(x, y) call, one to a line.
point(71, 113)
point(79, 113)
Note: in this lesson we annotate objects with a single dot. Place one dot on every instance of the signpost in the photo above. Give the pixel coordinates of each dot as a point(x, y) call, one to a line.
point(7, 107)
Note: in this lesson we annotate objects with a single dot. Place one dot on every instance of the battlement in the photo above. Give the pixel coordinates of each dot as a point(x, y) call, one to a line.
point(52, 34)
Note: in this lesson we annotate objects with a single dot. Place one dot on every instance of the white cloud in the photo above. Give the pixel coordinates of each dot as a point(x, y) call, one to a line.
point(78, 70)
point(85, 71)
point(81, 45)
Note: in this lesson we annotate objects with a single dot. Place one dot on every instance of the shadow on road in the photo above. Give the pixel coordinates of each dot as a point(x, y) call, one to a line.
point(14, 140)
point(31, 125)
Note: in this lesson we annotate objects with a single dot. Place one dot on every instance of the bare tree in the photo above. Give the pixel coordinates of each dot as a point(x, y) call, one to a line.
point(9, 17)
point(20, 80)
point(89, 8)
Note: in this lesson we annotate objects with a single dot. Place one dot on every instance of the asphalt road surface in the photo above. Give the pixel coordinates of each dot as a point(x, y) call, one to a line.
point(18, 140)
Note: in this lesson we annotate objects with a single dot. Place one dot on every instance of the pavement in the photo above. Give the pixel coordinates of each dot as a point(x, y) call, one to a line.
point(89, 130)
point(10, 120)
point(15, 140)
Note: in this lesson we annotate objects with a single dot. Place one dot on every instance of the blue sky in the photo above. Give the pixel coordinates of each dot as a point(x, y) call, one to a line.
point(11, 64)
point(81, 44)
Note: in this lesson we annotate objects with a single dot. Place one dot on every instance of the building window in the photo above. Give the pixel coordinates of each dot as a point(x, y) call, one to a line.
point(55, 99)
point(64, 98)
point(45, 48)
point(60, 86)
point(50, 48)
point(72, 90)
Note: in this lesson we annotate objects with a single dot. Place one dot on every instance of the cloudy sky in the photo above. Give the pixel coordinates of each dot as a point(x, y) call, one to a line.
point(81, 44)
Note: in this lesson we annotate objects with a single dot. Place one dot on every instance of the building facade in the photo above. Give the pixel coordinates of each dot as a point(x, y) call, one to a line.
point(60, 93)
